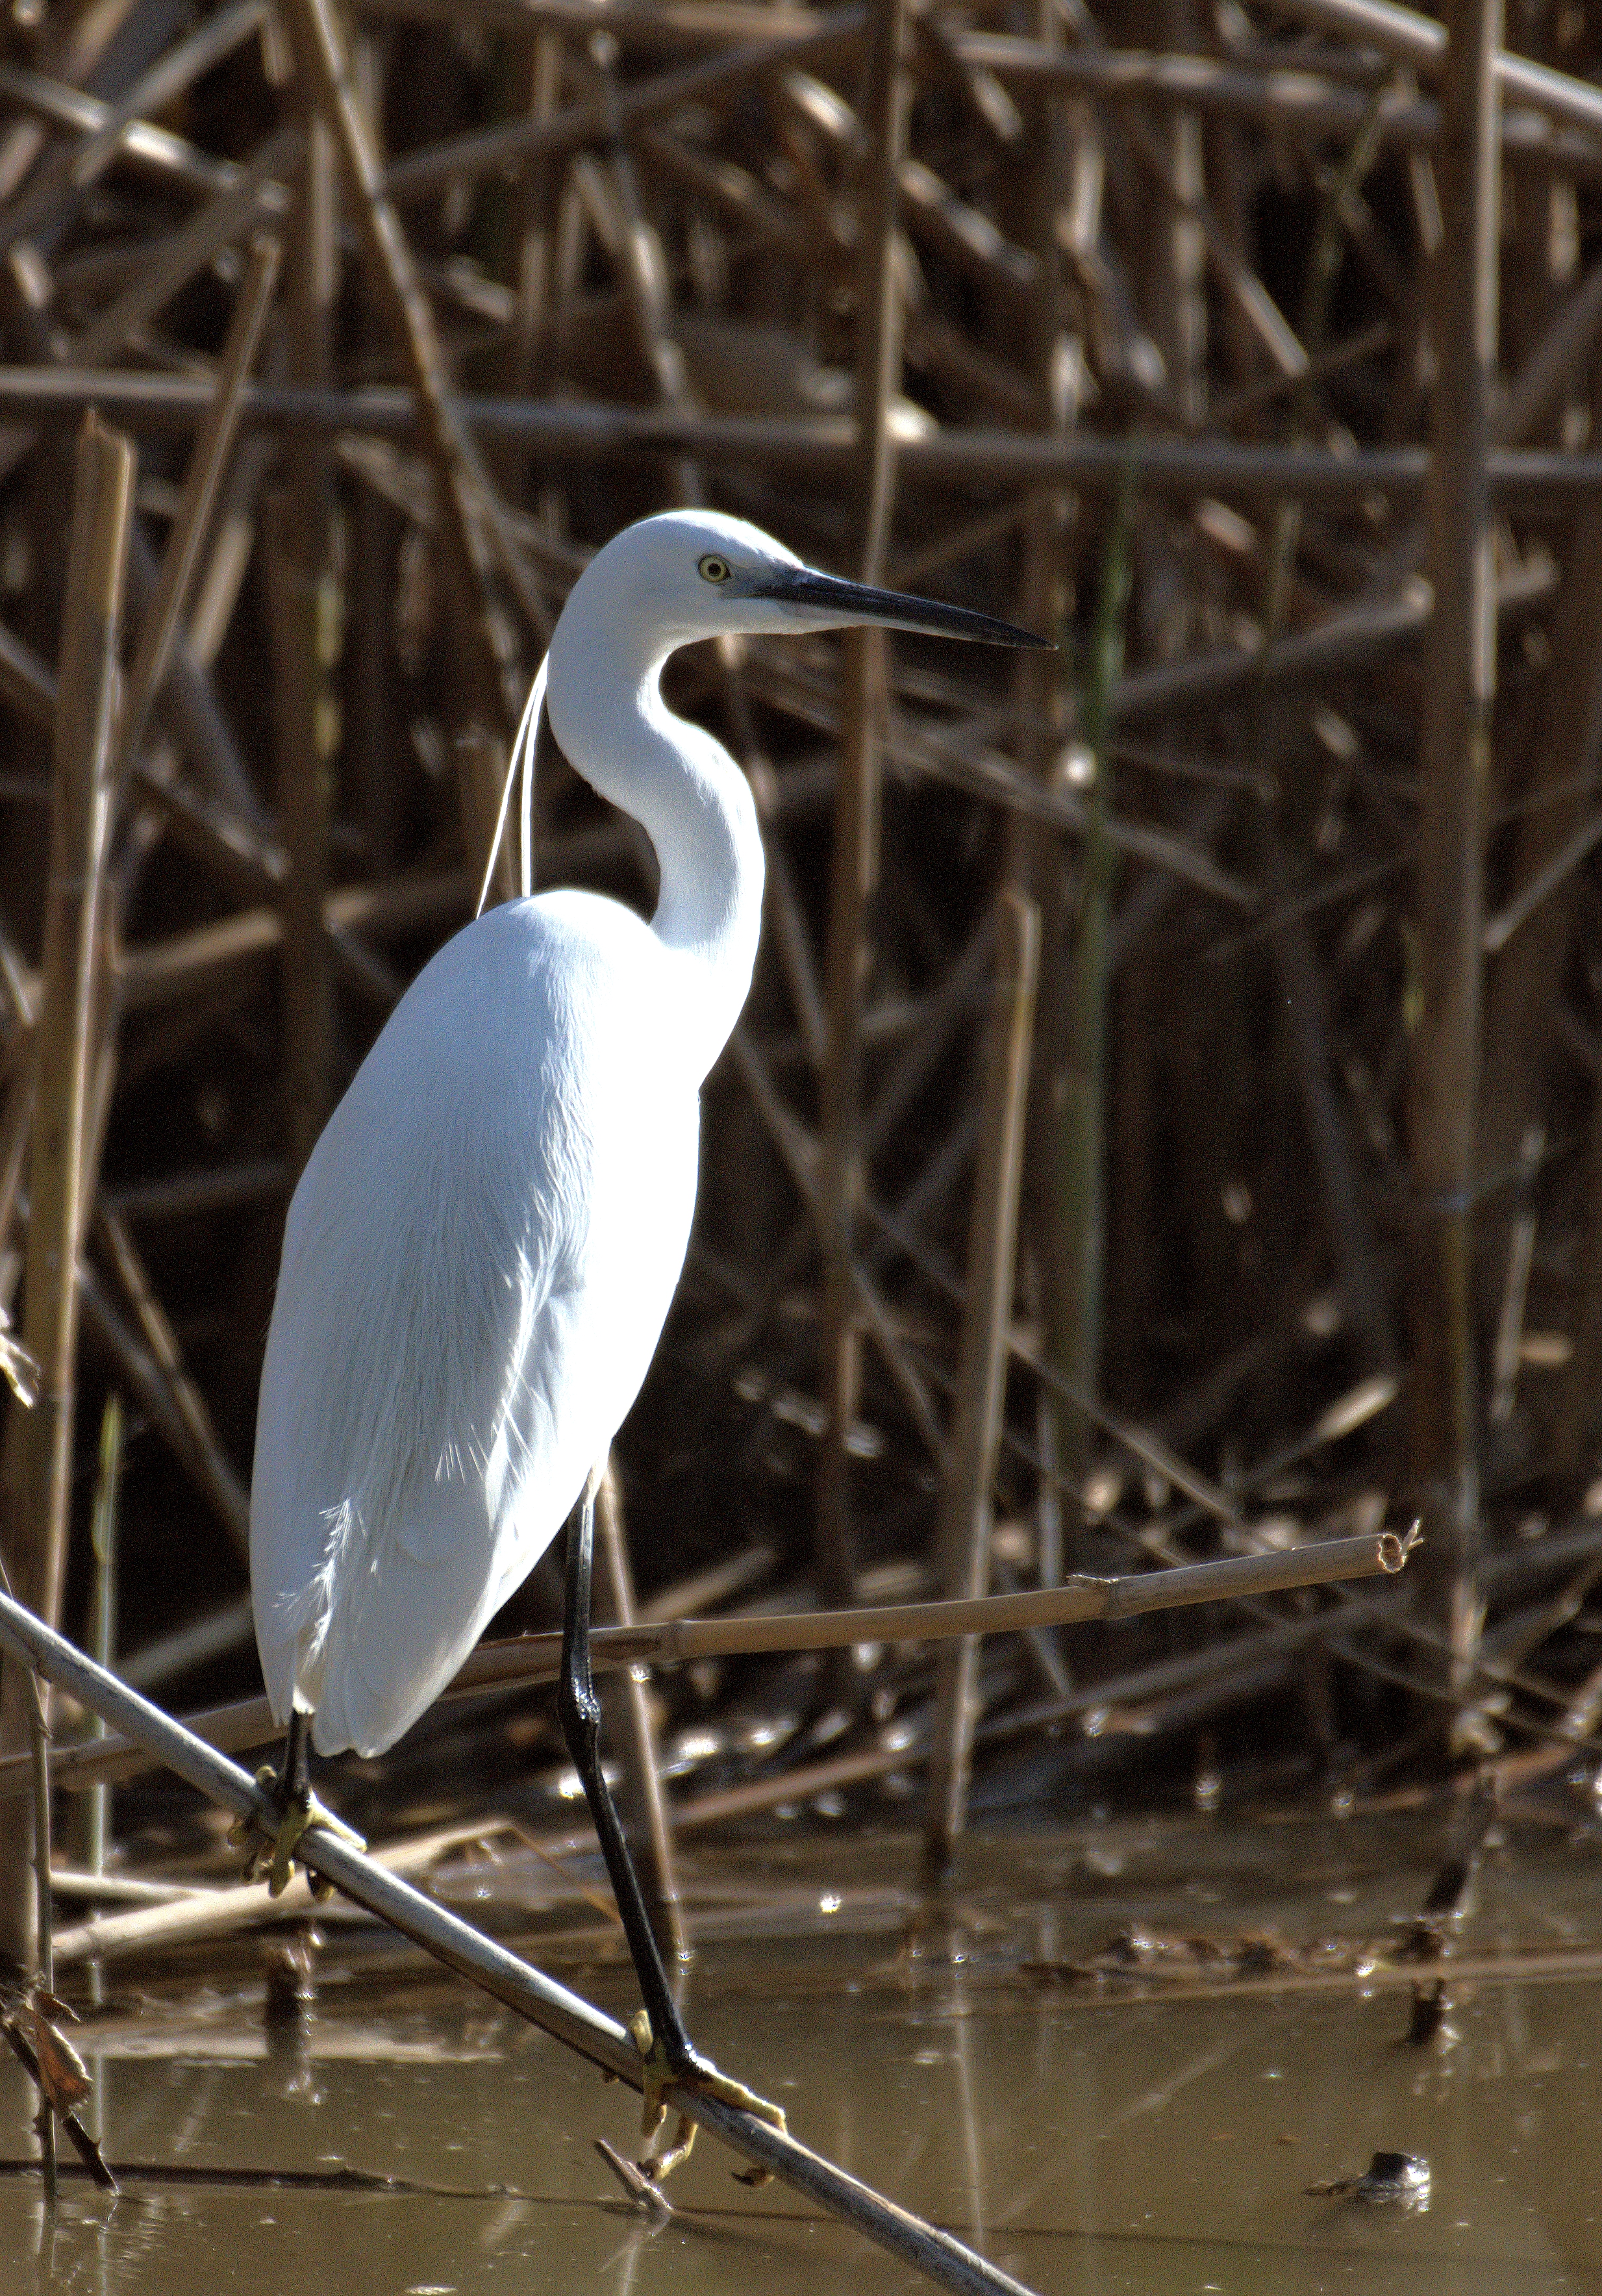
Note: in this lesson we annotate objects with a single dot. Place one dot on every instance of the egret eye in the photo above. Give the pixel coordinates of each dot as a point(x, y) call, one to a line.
point(714, 570)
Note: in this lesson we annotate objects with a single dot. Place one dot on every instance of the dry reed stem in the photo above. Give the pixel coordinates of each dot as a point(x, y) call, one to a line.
point(474, 539)
point(196, 1917)
point(1362, 1275)
point(535, 1658)
point(502, 1974)
point(38, 1447)
point(305, 618)
point(1460, 681)
point(598, 118)
point(962, 455)
point(63, 180)
point(167, 1376)
point(856, 860)
point(214, 443)
point(1414, 38)
point(962, 1545)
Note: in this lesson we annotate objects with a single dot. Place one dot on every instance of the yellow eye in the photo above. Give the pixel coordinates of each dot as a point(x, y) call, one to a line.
point(714, 570)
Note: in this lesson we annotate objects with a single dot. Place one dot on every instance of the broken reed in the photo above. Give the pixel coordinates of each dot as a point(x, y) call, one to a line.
point(534, 1658)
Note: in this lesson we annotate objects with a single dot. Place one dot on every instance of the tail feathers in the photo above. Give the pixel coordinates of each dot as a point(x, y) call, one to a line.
point(377, 1645)
point(376, 1626)
point(294, 1636)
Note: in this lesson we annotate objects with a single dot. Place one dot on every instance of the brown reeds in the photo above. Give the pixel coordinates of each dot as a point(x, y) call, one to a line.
point(962, 1550)
point(1455, 763)
point(38, 1466)
point(913, 288)
point(855, 876)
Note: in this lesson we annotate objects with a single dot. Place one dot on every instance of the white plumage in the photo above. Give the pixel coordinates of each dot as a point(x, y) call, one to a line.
point(475, 1272)
point(484, 1244)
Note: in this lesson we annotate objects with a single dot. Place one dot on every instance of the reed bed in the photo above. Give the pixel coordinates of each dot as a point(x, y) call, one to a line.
point(1165, 1123)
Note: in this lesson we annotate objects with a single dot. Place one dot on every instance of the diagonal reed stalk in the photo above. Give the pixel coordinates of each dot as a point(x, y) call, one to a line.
point(522, 1987)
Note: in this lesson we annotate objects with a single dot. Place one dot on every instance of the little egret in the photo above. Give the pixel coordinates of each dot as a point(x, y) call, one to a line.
point(483, 1246)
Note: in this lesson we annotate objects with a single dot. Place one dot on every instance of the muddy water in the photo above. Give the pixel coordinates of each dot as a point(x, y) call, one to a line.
point(1107, 2136)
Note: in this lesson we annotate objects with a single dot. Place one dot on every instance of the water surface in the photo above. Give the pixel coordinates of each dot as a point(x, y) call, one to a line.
point(1152, 2135)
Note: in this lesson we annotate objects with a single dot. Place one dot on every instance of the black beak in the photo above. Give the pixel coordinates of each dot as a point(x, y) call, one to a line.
point(857, 602)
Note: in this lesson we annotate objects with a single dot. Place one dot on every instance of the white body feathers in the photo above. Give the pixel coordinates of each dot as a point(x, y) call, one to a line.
point(485, 1240)
point(477, 1263)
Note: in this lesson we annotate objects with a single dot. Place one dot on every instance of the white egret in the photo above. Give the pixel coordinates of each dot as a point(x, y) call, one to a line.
point(483, 1246)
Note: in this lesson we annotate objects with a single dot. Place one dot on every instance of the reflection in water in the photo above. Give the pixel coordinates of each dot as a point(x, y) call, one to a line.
point(1152, 2128)
point(287, 2012)
point(967, 2111)
point(620, 2270)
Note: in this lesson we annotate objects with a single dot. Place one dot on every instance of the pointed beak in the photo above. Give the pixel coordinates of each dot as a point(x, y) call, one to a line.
point(849, 603)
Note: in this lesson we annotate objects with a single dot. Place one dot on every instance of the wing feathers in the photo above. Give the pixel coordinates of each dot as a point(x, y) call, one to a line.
point(477, 1264)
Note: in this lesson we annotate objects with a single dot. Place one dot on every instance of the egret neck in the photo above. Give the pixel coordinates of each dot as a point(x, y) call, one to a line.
point(690, 799)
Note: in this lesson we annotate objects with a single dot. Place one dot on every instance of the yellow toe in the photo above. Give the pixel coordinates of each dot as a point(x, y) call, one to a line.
point(708, 2081)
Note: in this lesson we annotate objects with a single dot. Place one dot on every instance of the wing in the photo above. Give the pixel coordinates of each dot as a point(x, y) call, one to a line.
point(477, 1266)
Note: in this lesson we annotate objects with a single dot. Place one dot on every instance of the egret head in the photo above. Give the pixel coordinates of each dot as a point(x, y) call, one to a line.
point(693, 574)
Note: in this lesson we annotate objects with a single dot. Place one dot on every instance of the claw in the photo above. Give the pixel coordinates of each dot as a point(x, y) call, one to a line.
point(702, 2076)
point(244, 1832)
point(653, 2060)
point(276, 1858)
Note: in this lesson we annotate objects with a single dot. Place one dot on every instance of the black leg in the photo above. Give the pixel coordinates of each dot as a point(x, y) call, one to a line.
point(295, 1779)
point(579, 1711)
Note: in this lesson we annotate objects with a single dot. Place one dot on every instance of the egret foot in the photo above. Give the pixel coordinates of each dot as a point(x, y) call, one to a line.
point(276, 1859)
point(290, 1793)
point(694, 2071)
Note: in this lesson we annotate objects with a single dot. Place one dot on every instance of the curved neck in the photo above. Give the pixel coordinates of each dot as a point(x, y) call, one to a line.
point(694, 804)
